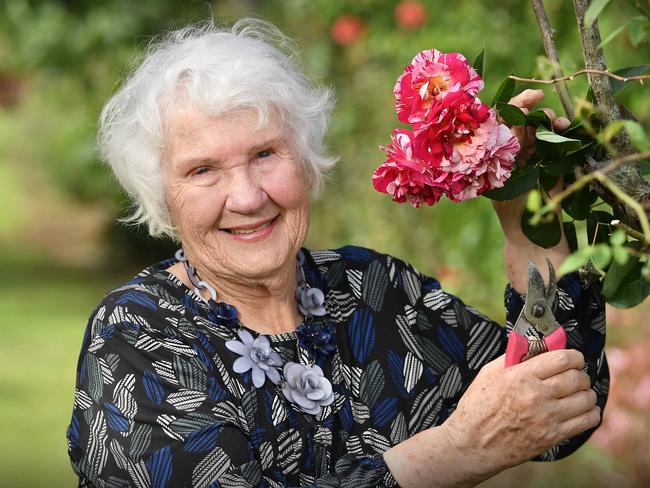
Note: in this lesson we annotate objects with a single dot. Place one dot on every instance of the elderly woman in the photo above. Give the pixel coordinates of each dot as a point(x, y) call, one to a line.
point(247, 360)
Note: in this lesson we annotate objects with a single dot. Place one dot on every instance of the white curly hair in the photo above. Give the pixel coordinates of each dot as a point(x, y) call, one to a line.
point(218, 70)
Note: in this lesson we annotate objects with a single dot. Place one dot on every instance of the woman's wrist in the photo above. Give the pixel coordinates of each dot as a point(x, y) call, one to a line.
point(517, 252)
point(432, 458)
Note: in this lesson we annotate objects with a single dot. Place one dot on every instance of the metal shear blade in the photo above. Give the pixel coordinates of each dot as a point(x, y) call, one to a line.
point(538, 314)
point(537, 311)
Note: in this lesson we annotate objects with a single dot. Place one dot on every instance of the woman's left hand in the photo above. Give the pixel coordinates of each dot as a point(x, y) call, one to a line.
point(510, 211)
point(518, 248)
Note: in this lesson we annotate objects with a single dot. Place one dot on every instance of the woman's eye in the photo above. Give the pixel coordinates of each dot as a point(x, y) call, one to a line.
point(200, 171)
point(265, 154)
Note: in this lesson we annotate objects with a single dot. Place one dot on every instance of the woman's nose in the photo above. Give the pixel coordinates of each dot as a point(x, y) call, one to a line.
point(245, 194)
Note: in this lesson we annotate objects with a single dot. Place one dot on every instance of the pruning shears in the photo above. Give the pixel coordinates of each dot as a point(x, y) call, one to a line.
point(537, 313)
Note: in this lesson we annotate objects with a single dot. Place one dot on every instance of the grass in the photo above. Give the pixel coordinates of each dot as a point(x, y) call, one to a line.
point(42, 318)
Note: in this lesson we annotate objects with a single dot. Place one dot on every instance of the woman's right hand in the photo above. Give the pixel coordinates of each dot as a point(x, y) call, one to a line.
point(509, 415)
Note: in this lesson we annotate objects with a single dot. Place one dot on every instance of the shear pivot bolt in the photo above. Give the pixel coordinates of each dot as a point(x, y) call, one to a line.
point(538, 310)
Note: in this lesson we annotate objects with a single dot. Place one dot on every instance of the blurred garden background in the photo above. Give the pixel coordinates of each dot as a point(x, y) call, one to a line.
point(61, 250)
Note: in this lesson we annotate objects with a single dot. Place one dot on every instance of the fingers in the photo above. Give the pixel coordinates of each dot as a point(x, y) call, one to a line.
point(575, 404)
point(580, 423)
point(555, 362)
point(527, 98)
point(567, 383)
point(561, 124)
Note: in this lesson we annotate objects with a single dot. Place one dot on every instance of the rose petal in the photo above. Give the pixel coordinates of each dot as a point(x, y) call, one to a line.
point(315, 395)
point(286, 389)
point(319, 311)
point(292, 372)
point(301, 400)
point(326, 386)
point(327, 400)
point(315, 296)
point(316, 369)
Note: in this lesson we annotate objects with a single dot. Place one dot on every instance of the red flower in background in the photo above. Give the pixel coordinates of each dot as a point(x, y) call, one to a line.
point(410, 14)
point(456, 146)
point(347, 30)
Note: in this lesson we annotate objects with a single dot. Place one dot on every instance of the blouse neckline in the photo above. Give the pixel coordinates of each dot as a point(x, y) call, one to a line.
point(161, 270)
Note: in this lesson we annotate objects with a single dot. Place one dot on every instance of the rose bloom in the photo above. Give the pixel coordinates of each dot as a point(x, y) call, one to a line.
point(449, 125)
point(429, 79)
point(403, 175)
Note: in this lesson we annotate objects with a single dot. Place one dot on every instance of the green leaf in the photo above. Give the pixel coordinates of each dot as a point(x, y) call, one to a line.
point(578, 204)
point(618, 238)
point(610, 37)
point(618, 85)
point(537, 118)
point(504, 92)
point(547, 180)
point(566, 164)
point(511, 114)
point(616, 274)
point(633, 288)
point(602, 255)
point(594, 11)
point(598, 226)
point(570, 234)
point(479, 63)
point(620, 255)
point(575, 261)
point(521, 180)
point(553, 138)
point(637, 135)
point(638, 28)
point(544, 234)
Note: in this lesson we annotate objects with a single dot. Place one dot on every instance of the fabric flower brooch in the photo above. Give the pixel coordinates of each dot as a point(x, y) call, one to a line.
point(455, 146)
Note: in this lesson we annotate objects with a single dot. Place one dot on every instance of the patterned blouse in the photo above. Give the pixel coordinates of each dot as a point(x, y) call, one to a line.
point(158, 404)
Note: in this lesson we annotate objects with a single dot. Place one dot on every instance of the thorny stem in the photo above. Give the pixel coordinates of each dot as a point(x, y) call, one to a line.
point(551, 52)
point(624, 197)
point(583, 71)
point(628, 230)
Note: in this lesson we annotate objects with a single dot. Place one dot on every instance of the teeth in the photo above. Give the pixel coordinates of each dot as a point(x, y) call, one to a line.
point(250, 231)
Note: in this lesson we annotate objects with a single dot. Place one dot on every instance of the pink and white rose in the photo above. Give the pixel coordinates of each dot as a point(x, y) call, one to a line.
point(456, 146)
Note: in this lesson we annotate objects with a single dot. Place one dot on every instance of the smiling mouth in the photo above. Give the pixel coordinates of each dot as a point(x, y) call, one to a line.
point(250, 230)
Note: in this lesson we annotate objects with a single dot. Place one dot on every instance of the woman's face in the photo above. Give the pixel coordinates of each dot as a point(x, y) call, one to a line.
point(236, 194)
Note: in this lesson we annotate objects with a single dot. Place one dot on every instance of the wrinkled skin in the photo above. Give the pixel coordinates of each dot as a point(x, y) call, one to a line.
point(509, 415)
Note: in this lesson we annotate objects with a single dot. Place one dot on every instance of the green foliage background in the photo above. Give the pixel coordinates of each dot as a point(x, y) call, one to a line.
point(60, 60)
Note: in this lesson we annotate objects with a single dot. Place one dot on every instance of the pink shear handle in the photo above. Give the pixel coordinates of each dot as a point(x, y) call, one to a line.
point(517, 347)
point(556, 339)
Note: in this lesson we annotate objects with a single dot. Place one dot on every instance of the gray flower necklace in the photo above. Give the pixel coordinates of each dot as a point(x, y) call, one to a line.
point(303, 385)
